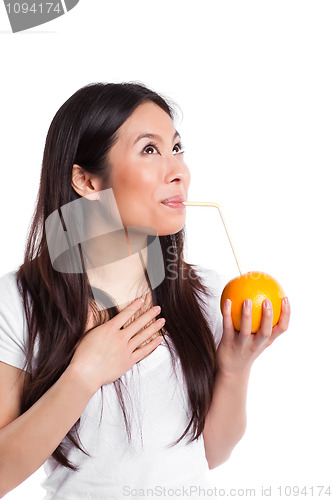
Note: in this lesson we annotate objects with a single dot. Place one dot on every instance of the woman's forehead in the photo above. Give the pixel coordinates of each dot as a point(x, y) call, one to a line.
point(147, 119)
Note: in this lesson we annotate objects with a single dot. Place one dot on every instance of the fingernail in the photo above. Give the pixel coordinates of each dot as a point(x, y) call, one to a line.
point(286, 301)
point(227, 304)
point(248, 302)
point(267, 304)
point(140, 300)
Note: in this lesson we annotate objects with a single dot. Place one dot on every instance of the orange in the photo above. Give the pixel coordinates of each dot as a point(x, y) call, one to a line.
point(256, 286)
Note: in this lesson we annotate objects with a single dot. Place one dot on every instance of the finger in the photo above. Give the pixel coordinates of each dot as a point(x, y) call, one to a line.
point(266, 324)
point(140, 353)
point(246, 320)
point(284, 320)
point(123, 316)
point(150, 332)
point(228, 327)
point(141, 322)
point(90, 319)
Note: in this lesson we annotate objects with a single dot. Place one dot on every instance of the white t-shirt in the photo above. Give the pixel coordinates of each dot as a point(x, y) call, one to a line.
point(157, 405)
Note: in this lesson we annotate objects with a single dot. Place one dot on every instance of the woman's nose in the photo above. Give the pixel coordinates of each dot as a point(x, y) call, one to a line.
point(177, 171)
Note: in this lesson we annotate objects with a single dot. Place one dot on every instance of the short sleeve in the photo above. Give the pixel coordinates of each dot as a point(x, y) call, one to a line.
point(11, 322)
point(215, 283)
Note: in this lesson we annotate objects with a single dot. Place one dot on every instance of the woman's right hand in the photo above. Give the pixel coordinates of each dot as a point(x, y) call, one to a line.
point(106, 352)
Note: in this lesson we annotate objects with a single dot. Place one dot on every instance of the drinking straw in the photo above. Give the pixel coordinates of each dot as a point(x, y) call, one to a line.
point(216, 205)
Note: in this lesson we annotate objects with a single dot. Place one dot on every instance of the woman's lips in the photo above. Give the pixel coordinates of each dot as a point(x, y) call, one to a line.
point(174, 204)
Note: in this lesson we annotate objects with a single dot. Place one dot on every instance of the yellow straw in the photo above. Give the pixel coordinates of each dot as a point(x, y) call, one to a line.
point(216, 205)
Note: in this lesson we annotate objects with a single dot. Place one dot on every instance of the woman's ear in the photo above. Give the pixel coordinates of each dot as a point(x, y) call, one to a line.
point(84, 184)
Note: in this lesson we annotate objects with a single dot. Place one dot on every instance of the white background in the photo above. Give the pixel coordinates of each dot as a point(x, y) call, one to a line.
point(254, 81)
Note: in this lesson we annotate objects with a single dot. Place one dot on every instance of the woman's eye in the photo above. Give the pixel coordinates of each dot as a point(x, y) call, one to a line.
point(149, 147)
point(180, 148)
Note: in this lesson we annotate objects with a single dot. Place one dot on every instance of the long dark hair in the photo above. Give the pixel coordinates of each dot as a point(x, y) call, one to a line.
point(56, 304)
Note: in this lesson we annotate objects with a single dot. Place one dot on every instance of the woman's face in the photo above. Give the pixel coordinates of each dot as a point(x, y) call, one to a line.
point(142, 175)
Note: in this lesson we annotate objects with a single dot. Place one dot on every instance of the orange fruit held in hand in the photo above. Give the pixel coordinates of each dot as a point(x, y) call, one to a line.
point(256, 286)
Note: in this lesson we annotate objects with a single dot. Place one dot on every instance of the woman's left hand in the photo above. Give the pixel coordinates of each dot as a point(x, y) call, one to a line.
point(238, 350)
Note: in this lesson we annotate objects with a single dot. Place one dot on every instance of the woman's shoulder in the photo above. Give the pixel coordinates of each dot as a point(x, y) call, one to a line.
point(13, 334)
point(8, 281)
point(11, 302)
point(8, 287)
point(213, 279)
point(215, 282)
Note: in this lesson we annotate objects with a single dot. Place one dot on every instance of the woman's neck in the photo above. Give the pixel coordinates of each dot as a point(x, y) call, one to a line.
point(123, 279)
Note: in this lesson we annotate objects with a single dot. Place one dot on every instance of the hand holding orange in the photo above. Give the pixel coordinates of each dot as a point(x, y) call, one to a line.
point(256, 286)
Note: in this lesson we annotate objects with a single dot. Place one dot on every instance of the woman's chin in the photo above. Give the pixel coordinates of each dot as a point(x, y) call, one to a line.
point(167, 229)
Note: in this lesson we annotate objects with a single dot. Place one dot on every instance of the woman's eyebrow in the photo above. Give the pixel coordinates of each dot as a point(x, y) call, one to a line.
point(154, 136)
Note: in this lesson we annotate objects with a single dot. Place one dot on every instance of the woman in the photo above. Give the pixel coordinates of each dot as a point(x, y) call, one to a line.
point(74, 346)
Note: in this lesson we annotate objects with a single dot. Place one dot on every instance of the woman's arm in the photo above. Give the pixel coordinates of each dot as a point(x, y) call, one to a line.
point(28, 441)
point(103, 354)
point(226, 419)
